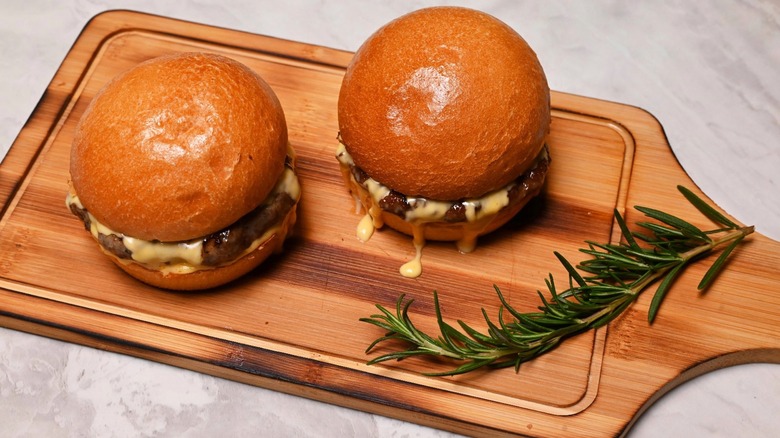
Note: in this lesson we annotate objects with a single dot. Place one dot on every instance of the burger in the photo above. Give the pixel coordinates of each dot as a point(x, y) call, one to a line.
point(443, 117)
point(181, 171)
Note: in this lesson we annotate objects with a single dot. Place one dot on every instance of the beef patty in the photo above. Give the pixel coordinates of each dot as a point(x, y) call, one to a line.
point(529, 182)
point(222, 246)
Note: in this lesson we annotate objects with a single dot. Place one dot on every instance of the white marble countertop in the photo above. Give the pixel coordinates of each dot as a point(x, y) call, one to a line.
point(709, 71)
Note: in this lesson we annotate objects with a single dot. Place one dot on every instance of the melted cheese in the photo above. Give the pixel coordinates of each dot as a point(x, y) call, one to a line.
point(479, 212)
point(157, 253)
point(183, 257)
point(428, 210)
point(413, 268)
point(365, 228)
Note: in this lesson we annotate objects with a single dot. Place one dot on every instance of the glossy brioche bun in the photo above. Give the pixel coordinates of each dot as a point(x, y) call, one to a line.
point(210, 278)
point(178, 147)
point(444, 103)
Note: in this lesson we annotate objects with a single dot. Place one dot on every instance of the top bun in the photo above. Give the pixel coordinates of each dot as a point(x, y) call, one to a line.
point(178, 147)
point(445, 103)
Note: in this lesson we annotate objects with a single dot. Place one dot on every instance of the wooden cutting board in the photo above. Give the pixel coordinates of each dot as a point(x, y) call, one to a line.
point(292, 325)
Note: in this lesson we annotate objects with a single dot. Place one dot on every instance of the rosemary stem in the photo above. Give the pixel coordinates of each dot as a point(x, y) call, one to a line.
point(631, 294)
point(714, 243)
point(639, 286)
point(616, 275)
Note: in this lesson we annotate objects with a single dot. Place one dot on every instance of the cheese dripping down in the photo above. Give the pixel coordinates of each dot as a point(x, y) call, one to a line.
point(479, 212)
point(186, 256)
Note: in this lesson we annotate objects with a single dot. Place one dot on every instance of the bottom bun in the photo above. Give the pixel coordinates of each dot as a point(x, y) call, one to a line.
point(210, 278)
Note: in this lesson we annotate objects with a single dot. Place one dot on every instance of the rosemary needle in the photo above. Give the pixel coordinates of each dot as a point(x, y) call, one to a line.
point(597, 291)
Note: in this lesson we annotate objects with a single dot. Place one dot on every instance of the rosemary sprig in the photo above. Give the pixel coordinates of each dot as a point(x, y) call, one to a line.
point(599, 289)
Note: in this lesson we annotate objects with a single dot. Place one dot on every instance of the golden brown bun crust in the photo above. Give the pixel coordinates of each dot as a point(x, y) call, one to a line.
point(207, 279)
point(444, 103)
point(178, 147)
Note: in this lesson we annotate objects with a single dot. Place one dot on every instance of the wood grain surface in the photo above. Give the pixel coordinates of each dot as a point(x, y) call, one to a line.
point(292, 325)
